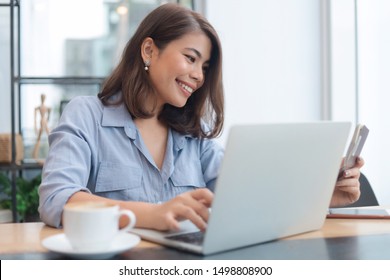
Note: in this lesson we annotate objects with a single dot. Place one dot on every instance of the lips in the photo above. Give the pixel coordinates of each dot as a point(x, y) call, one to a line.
point(186, 87)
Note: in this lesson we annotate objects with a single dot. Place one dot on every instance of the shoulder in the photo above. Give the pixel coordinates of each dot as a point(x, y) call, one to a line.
point(205, 145)
point(81, 113)
point(210, 145)
point(82, 106)
point(84, 102)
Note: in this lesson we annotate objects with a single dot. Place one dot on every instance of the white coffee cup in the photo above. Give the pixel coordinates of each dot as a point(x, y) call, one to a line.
point(92, 226)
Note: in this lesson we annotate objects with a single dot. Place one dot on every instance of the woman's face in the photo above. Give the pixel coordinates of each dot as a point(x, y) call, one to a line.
point(178, 70)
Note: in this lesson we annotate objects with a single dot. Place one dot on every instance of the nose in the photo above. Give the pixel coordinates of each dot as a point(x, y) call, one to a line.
point(197, 74)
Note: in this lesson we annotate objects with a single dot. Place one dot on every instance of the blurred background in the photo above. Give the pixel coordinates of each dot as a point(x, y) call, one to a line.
point(284, 61)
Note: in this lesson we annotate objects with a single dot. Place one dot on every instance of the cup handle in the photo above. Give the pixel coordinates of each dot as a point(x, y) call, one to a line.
point(131, 217)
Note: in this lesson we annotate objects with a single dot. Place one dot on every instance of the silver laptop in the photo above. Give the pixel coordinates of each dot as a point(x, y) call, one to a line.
point(276, 180)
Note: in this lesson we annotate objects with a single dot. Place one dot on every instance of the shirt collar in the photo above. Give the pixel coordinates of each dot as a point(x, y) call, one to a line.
point(118, 116)
point(179, 140)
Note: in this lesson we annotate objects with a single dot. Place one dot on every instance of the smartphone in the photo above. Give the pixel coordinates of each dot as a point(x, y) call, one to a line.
point(355, 147)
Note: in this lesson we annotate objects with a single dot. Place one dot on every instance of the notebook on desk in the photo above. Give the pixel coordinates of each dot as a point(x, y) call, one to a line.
point(276, 180)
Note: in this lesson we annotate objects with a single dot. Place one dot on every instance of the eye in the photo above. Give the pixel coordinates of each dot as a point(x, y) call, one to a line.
point(190, 58)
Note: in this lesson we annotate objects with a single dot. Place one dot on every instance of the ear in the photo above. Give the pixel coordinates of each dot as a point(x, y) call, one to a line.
point(147, 49)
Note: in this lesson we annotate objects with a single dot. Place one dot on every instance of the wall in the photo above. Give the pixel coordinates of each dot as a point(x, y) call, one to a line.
point(273, 68)
point(374, 88)
point(360, 73)
point(272, 59)
point(274, 71)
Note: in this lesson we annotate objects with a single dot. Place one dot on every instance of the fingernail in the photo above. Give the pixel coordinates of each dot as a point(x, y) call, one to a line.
point(346, 173)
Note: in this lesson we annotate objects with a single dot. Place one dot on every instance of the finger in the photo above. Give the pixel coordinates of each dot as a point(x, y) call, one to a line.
point(351, 173)
point(172, 223)
point(203, 195)
point(350, 181)
point(349, 188)
point(347, 183)
point(359, 162)
point(352, 193)
point(187, 212)
point(199, 201)
point(198, 206)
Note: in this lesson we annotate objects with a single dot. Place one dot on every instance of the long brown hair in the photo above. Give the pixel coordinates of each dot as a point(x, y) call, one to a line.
point(165, 24)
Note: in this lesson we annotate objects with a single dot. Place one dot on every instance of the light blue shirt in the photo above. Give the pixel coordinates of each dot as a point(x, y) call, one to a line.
point(99, 150)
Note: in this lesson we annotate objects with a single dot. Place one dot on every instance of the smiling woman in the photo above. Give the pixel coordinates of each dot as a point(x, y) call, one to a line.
point(145, 141)
point(178, 67)
point(194, 45)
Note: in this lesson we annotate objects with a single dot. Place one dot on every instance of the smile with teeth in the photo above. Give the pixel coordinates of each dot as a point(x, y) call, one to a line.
point(187, 88)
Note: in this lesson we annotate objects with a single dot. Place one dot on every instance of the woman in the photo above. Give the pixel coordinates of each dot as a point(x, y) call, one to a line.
point(146, 141)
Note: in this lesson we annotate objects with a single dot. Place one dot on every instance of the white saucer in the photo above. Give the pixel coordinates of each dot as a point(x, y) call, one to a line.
point(122, 242)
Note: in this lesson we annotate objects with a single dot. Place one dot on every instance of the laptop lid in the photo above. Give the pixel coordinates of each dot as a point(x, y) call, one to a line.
point(276, 180)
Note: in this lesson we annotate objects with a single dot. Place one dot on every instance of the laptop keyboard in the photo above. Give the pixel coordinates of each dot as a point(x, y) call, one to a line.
point(195, 238)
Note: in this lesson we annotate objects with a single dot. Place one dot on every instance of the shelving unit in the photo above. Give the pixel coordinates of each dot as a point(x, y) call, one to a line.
point(14, 168)
point(19, 82)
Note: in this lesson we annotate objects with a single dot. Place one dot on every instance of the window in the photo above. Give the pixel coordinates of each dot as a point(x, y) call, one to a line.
point(360, 74)
point(67, 48)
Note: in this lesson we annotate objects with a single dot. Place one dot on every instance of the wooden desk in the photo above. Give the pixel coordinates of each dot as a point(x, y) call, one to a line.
point(27, 237)
point(338, 239)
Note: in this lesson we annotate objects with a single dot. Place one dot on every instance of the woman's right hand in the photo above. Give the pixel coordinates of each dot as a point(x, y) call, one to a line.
point(192, 205)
